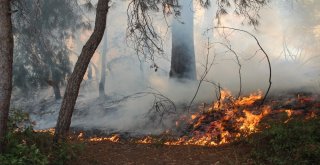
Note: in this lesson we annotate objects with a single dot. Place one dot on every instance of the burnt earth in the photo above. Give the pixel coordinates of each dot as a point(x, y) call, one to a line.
point(107, 153)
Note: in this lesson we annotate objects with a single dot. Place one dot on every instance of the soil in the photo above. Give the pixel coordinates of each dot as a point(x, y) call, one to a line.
point(110, 153)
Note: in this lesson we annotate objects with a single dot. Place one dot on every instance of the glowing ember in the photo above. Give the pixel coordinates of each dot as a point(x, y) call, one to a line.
point(289, 113)
point(81, 135)
point(193, 116)
point(311, 115)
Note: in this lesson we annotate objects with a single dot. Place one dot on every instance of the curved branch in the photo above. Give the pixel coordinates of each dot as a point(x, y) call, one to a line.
point(264, 52)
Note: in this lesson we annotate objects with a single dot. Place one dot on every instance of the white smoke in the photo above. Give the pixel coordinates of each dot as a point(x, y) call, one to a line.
point(128, 76)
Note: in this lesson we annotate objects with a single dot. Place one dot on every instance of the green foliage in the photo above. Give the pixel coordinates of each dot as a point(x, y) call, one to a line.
point(295, 142)
point(18, 120)
point(65, 152)
point(22, 154)
point(24, 146)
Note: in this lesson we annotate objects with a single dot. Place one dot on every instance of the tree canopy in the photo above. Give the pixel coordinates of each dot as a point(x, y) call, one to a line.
point(144, 38)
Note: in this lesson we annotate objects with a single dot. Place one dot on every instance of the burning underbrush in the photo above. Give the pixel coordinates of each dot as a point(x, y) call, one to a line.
point(284, 130)
point(225, 120)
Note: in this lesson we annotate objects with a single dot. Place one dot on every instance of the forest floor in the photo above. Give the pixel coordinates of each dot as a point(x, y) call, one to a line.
point(110, 153)
point(240, 152)
point(280, 130)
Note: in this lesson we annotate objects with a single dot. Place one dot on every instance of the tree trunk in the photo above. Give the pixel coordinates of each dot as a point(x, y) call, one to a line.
point(6, 59)
point(73, 86)
point(102, 82)
point(89, 72)
point(183, 55)
point(56, 89)
point(54, 83)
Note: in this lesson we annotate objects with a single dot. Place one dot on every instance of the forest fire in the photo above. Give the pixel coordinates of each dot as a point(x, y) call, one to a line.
point(223, 122)
point(114, 138)
point(227, 120)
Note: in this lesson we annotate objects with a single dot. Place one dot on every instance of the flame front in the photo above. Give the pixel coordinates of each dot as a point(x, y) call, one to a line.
point(114, 138)
point(225, 121)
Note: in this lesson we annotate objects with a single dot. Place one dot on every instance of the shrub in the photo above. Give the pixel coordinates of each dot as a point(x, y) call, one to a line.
point(24, 146)
point(295, 142)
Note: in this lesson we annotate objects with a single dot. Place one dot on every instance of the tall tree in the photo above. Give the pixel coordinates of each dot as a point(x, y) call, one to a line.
point(147, 42)
point(182, 53)
point(183, 64)
point(73, 85)
point(6, 60)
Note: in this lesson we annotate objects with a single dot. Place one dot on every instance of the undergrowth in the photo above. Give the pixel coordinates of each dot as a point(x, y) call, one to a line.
point(294, 142)
point(24, 146)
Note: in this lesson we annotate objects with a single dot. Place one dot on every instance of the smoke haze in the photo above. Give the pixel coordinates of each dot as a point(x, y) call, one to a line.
point(281, 22)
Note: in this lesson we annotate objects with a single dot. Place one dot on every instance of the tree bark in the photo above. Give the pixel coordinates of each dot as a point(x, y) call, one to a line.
point(73, 86)
point(6, 59)
point(102, 82)
point(183, 55)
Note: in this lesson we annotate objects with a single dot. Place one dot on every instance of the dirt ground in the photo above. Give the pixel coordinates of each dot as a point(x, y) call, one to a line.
point(109, 153)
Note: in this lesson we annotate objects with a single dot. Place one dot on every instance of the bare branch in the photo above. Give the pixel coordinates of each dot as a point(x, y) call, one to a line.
point(264, 52)
point(207, 68)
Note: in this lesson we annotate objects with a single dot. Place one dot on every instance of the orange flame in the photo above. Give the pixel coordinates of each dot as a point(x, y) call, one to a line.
point(146, 140)
point(247, 101)
point(251, 121)
point(50, 130)
point(226, 120)
point(115, 138)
